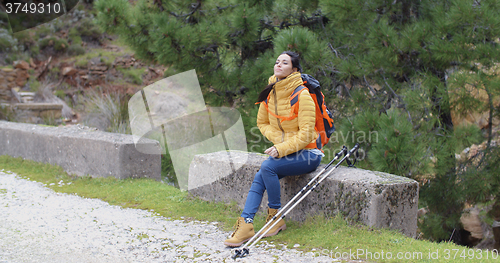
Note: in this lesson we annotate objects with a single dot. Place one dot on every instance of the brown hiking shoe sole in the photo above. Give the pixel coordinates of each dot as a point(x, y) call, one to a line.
point(283, 227)
point(236, 244)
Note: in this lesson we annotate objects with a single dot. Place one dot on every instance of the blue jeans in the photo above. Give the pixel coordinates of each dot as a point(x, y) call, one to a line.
point(267, 178)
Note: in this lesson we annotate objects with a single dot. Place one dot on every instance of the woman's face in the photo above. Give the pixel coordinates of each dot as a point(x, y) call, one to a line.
point(283, 66)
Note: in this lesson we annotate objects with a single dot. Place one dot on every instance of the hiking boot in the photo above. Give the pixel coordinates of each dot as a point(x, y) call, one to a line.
point(242, 233)
point(278, 227)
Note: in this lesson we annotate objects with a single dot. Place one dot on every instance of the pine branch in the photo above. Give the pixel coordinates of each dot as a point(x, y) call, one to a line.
point(344, 88)
point(402, 105)
point(371, 88)
point(159, 4)
point(333, 49)
point(194, 7)
point(490, 126)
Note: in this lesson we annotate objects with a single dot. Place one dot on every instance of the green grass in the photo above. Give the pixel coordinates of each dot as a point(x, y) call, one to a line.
point(135, 75)
point(106, 56)
point(328, 237)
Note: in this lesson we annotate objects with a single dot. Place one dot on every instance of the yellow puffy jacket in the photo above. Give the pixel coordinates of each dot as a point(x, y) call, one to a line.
point(288, 136)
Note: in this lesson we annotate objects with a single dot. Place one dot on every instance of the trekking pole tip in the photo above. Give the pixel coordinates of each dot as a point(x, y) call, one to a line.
point(246, 251)
point(237, 253)
point(240, 253)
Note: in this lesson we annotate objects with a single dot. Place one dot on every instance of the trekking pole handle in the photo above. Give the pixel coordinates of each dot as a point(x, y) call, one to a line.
point(354, 149)
point(337, 156)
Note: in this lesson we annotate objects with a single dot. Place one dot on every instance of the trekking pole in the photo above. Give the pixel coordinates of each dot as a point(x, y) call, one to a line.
point(245, 250)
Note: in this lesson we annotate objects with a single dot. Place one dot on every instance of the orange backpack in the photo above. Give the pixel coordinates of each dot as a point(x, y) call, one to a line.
point(324, 119)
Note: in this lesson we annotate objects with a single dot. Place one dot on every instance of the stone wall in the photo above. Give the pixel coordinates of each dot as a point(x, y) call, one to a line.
point(372, 198)
point(80, 150)
point(12, 78)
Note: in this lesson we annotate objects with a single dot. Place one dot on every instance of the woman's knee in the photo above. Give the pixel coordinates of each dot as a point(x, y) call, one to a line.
point(267, 168)
point(315, 161)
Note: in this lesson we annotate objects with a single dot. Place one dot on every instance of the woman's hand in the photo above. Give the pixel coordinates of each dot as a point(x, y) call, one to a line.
point(272, 152)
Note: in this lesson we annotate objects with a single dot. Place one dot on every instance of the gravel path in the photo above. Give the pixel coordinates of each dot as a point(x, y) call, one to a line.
point(40, 225)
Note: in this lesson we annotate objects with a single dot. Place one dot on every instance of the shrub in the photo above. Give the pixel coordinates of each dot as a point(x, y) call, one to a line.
point(75, 37)
point(33, 84)
point(34, 50)
point(89, 29)
point(60, 93)
point(466, 135)
point(59, 44)
point(43, 31)
point(107, 112)
point(26, 38)
point(76, 50)
point(7, 42)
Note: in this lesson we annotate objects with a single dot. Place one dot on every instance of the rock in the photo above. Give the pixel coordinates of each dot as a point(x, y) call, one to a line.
point(473, 151)
point(98, 68)
point(21, 82)
point(69, 71)
point(27, 97)
point(21, 73)
point(471, 222)
point(472, 116)
point(422, 211)
point(32, 64)
point(16, 95)
point(5, 94)
point(496, 234)
point(20, 64)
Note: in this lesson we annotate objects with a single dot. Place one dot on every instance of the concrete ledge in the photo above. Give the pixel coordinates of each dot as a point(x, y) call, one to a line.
point(372, 198)
point(80, 150)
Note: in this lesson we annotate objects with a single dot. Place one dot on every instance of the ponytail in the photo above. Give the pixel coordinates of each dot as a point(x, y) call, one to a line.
point(265, 93)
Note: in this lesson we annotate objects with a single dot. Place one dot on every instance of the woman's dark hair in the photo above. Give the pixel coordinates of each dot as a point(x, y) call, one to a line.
point(295, 64)
point(295, 59)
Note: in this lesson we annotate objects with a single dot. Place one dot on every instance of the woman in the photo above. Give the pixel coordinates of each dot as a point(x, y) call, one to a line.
point(294, 151)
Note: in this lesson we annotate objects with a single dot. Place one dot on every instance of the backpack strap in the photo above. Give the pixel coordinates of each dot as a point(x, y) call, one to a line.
point(292, 115)
point(294, 98)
